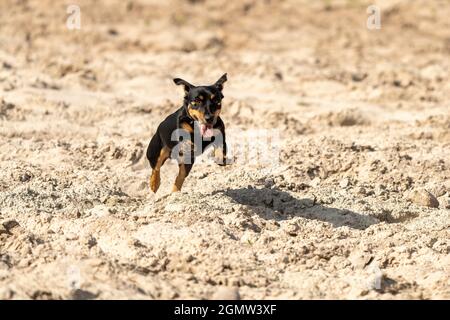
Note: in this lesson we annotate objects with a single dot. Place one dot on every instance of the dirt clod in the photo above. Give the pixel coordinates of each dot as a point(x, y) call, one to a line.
point(424, 198)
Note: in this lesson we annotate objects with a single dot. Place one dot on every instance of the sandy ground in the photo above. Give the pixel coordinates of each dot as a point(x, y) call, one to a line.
point(356, 204)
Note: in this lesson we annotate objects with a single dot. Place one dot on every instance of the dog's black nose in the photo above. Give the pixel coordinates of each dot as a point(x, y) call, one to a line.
point(208, 117)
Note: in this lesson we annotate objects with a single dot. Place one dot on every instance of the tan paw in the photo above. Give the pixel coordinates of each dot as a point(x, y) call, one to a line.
point(219, 157)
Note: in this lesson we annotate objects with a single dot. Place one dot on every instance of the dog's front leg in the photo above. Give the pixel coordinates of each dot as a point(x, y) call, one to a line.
point(220, 149)
point(183, 171)
point(186, 158)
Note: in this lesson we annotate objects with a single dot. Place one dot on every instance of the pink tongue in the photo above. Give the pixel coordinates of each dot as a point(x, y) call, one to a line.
point(206, 130)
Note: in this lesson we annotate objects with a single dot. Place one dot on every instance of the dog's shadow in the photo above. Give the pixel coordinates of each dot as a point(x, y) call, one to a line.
point(275, 204)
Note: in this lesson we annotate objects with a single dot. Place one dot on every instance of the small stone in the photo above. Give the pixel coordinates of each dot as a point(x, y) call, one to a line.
point(361, 191)
point(113, 32)
point(344, 183)
point(269, 183)
point(112, 201)
point(359, 76)
point(292, 229)
point(226, 293)
point(25, 177)
point(360, 260)
point(424, 198)
point(6, 65)
point(91, 242)
point(10, 224)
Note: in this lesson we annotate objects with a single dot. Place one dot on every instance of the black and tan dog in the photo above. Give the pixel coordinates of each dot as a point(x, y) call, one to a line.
point(198, 124)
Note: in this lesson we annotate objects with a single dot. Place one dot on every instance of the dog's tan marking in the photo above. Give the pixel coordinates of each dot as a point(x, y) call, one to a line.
point(187, 127)
point(196, 115)
point(216, 115)
point(180, 178)
point(155, 179)
point(212, 96)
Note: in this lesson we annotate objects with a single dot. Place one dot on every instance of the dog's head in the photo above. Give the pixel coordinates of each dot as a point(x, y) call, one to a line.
point(203, 103)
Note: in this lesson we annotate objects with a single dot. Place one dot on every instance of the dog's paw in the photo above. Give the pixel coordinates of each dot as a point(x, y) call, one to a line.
point(219, 157)
point(220, 161)
point(224, 161)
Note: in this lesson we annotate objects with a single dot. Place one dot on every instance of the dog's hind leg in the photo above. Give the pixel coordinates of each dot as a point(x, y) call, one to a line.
point(155, 179)
point(157, 154)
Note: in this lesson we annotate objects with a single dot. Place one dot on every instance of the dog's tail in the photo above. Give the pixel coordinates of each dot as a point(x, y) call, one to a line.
point(154, 149)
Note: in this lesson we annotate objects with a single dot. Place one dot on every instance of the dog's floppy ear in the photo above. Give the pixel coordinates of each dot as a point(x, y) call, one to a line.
point(219, 83)
point(187, 85)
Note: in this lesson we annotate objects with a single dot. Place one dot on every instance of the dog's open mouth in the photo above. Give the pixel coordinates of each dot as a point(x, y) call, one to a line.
point(206, 130)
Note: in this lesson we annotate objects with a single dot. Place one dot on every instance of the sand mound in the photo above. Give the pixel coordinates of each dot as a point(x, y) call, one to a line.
point(341, 212)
